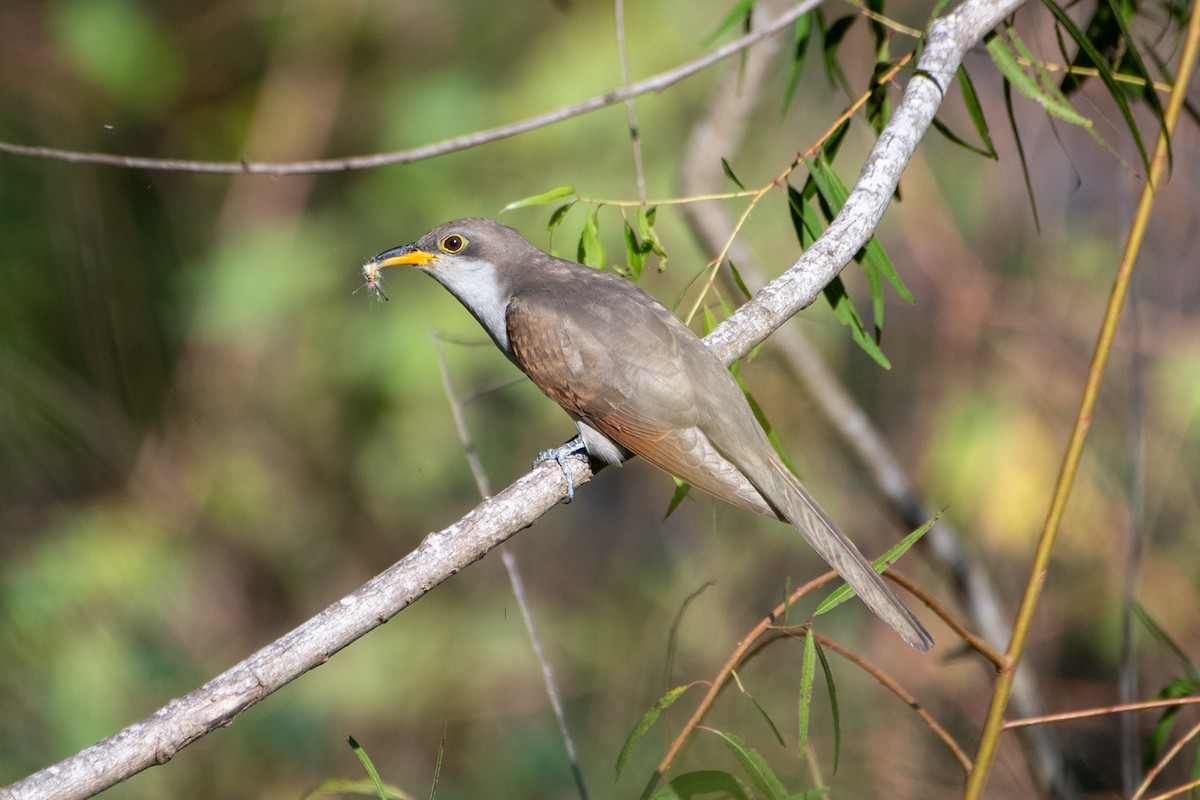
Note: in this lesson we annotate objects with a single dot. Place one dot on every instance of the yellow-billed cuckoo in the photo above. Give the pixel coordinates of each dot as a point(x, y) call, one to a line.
point(635, 379)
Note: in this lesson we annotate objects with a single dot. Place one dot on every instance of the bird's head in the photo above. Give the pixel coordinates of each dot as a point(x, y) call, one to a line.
point(477, 259)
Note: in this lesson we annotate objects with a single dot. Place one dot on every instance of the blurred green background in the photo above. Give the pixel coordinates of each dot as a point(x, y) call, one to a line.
point(206, 436)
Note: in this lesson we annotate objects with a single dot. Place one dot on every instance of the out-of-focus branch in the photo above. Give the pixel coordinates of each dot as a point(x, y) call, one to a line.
point(514, 572)
point(656, 83)
point(718, 135)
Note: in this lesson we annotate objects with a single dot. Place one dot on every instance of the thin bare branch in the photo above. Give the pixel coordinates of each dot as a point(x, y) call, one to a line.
point(656, 83)
point(514, 573)
point(635, 134)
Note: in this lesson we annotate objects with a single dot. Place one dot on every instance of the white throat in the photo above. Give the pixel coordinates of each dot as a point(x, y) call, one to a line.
point(475, 285)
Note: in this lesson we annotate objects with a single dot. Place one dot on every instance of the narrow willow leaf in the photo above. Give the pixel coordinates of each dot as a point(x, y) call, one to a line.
point(806, 227)
point(761, 710)
point(681, 491)
point(590, 251)
point(833, 40)
point(335, 787)
point(635, 256)
point(1012, 123)
point(975, 109)
point(844, 592)
point(557, 193)
point(437, 768)
point(833, 142)
point(703, 782)
point(1006, 61)
point(1047, 84)
point(729, 174)
point(834, 708)
point(645, 221)
point(1106, 75)
point(801, 34)
point(954, 138)
point(845, 313)
point(1132, 57)
point(761, 416)
point(1159, 634)
point(740, 13)
point(808, 672)
point(737, 279)
point(878, 106)
point(557, 217)
point(369, 767)
point(755, 767)
point(648, 719)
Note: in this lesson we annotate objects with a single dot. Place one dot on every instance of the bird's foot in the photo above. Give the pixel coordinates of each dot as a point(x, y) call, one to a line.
point(572, 449)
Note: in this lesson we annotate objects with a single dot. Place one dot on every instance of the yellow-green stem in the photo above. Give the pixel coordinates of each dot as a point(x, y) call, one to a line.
point(989, 738)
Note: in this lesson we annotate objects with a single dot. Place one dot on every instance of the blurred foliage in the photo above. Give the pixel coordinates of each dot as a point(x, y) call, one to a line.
point(206, 436)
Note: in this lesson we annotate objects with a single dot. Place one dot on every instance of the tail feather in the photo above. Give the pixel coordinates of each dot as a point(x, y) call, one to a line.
point(799, 508)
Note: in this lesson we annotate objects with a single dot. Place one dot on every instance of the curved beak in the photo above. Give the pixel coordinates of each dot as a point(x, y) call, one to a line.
point(404, 255)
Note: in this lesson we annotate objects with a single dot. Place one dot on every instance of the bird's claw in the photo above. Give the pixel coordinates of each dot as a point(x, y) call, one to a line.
point(572, 449)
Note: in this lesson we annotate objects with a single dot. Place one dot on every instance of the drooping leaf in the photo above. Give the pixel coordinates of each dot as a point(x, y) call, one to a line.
point(1106, 75)
point(832, 41)
point(844, 592)
point(878, 106)
point(759, 706)
point(729, 174)
point(648, 719)
point(875, 262)
point(691, 785)
point(740, 13)
point(808, 670)
point(556, 218)
point(737, 280)
point(761, 416)
point(801, 34)
point(1012, 124)
point(975, 109)
point(369, 767)
point(755, 767)
point(1160, 635)
point(635, 255)
point(590, 251)
point(645, 222)
point(437, 767)
point(835, 710)
point(681, 491)
point(557, 193)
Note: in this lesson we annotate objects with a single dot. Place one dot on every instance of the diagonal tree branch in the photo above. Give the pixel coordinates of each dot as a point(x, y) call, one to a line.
point(156, 739)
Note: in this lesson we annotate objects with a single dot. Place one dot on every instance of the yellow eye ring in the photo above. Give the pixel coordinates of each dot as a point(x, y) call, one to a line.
point(453, 243)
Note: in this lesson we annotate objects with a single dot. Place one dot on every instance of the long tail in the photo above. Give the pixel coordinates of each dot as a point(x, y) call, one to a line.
point(798, 507)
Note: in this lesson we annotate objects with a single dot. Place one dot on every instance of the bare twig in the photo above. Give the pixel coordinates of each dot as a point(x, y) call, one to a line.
point(1104, 711)
point(635, 135)
point(656, 83)
point(514, 572)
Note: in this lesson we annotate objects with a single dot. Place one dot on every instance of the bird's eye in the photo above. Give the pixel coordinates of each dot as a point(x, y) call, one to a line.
point(453, 243)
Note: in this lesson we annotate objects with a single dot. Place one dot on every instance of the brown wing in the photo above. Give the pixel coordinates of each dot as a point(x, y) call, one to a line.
point(630, 369)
